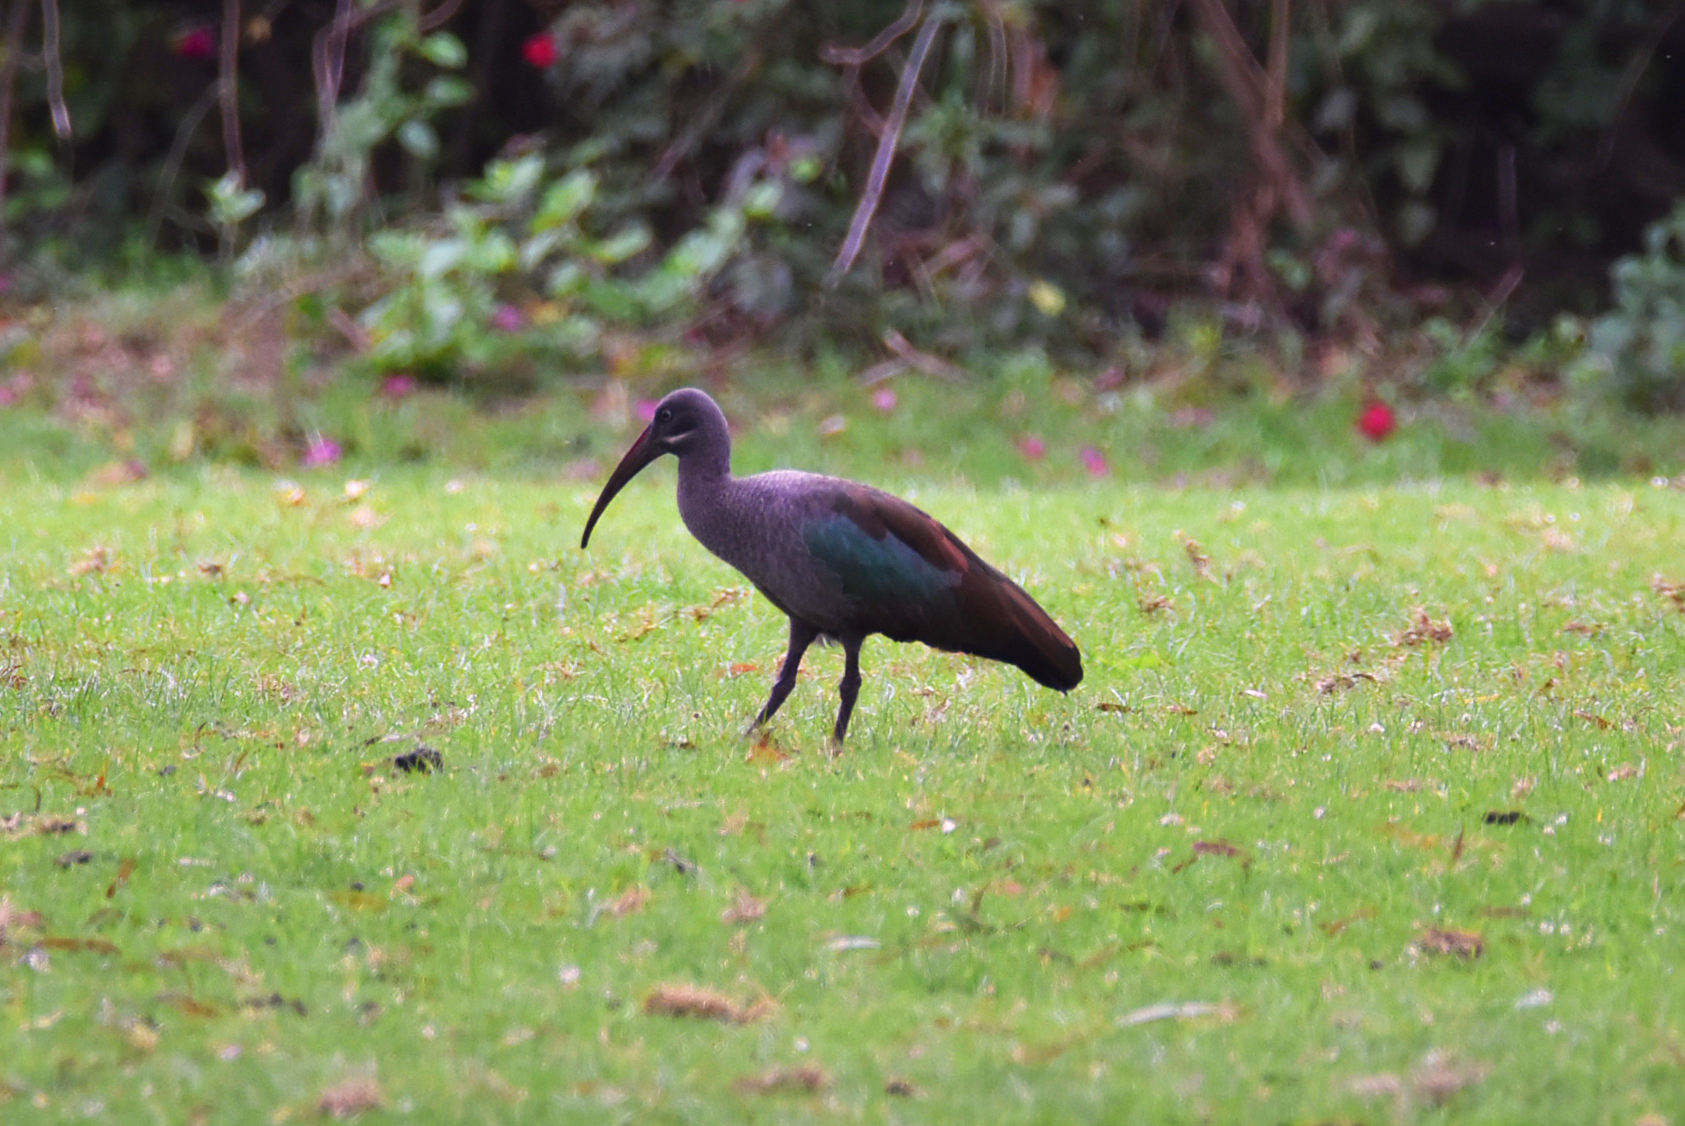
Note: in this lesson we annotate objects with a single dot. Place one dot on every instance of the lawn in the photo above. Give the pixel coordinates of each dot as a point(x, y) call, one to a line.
point(1368, 811)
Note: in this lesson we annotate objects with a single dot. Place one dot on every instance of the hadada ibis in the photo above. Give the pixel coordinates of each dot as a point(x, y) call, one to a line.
point(842, 560)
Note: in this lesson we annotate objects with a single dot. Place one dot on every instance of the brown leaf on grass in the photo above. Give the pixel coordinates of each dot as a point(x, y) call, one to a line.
point(1669, 590)
point(1406, 785)
point(633, 899)
point(765, 751)
point(1624, 771)
point(901, 1088)
point(14, 919)
point(1585, 629)
point(1462, 944)
point(20, 825)
point(1197, 556)
point(745, 910)
point(702, 1004)
point(351, 1097)
point(95, 561)
point(1342, 681)
point(806, 1078)
point(1222, 848)
point(125, 471)
point(1112, 706)
point(1338, 926)
point(1154, 603)
point(1600, 722)
point(1423, 629)
point(1440, 1076)
point(125, 868)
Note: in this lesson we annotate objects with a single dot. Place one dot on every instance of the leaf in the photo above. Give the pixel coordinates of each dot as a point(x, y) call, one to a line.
point(1462, 944)
point(448, 90)
point(745, 910)
point(806, 1078)
point(444, 49)
point(630, 901)
point(621, 245)
point(350, 1097)
point(419, 139)
point(701, 1003)
point(565, 200)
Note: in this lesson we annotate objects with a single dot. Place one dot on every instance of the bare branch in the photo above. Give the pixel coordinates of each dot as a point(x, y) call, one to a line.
point(228, 89)
point(843, 56)
point(1249, 88)
point(55, 68)
point(885, 156)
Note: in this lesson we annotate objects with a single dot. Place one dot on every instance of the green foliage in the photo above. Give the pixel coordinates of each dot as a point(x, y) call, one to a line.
point(333, 188)
point(523, 269)
point(1636, 351)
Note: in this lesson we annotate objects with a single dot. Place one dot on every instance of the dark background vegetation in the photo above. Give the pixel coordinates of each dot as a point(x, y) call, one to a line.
point(1426, 185)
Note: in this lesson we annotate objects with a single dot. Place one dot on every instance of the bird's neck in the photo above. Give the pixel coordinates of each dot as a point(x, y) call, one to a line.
point(707, 466)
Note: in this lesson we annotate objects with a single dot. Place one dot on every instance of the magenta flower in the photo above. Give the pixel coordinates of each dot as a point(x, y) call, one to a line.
point(196, 43)
point(1377, 422)
point(1095, 462)
point(398, 385)
point(540, 50)
point(321, 451)
point(508, 318)
point(884, 399)
point(1032, 447)
point(646, 410)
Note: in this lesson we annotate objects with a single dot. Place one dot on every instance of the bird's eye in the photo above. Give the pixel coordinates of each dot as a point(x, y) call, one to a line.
point(665, 414)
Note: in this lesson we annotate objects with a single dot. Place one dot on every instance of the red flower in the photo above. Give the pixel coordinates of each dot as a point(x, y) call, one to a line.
point(540, 50)
point(196, 43)
point(1377, 422)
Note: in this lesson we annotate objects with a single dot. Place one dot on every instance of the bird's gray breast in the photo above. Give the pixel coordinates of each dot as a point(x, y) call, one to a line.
point(756, 525)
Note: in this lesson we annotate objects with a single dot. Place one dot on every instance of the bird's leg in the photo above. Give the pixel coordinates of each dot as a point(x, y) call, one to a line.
point(801, 636)
point(849, 688)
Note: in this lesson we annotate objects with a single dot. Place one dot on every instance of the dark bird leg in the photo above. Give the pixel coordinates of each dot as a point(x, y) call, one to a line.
point(801, 636)
point(849, 688)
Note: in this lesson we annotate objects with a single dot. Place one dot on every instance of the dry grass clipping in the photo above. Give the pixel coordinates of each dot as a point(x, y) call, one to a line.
point(703, 1004)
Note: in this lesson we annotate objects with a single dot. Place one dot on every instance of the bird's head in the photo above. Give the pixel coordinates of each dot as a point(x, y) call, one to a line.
point(686, 423)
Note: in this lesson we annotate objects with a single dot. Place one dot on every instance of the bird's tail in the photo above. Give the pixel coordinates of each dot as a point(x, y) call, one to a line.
point(1038, 646)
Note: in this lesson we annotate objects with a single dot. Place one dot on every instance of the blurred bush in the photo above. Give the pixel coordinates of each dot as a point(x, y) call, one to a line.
point(1636, 350)
point(1054, 175)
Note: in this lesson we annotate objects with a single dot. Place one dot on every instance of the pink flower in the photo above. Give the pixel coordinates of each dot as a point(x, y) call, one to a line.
point(195, 43)
point(540, 50)
point(884, 399)
point(399, 385)
point(1095, 462)
point(1377, 422)
point(320, 451)
point(1032, 447)
point(508, 318)
point(646, 410)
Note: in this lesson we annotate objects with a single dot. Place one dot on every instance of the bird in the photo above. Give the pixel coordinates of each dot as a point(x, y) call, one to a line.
point(842, 560)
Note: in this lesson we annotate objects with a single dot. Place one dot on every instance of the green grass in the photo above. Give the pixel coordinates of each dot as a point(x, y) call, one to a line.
point(1265, 797)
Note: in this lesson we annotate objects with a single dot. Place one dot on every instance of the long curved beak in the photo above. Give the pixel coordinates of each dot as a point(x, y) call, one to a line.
point(643, 451)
